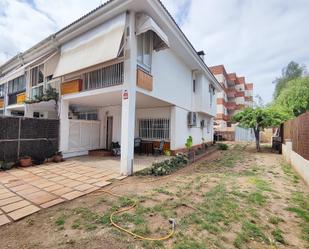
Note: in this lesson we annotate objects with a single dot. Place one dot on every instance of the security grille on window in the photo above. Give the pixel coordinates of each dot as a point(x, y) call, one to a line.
point(154, 129)
point(104, 77)
point(87, 116)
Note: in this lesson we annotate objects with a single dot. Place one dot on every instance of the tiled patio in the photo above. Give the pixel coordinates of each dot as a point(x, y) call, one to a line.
point(24, 191)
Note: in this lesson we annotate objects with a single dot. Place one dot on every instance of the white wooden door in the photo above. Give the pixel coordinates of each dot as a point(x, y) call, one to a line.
point(84, 135)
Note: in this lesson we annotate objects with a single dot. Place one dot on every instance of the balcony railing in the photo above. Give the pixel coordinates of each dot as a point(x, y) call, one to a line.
point(104, 77)
point(16, 98)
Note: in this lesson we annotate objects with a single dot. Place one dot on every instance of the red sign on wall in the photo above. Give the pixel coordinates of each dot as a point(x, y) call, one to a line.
point(125, 94)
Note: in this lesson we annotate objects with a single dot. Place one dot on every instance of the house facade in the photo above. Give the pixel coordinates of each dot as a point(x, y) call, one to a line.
point(123, 71)
point(236, 95)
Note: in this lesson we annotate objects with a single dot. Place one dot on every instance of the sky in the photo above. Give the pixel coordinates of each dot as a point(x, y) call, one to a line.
point(255, 39)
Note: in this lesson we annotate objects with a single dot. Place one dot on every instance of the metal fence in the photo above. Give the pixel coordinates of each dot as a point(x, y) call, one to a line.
point(21, 136)
point(244, 134)
point(297, 130)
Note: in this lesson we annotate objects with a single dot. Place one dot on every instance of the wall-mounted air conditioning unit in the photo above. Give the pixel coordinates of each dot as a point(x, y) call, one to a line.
point(191, 119)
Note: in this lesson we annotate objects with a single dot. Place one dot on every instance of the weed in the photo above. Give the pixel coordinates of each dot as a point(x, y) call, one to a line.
point(162, 191)
point(60, 221)
point(287, 169)
point(277, 233)
point(257, 198)
point(260, 184)
point(275, 220)
point(188, 243)
point(76, 224)
point(250, 231)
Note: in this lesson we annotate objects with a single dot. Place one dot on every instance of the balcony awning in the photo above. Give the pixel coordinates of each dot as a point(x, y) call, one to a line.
point(145, 23)
point(96, 46)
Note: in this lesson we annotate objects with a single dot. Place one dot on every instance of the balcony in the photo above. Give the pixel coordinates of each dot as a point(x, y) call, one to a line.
point(17, 98)
point(230, 105)
point(1, 102)
point(107, 76)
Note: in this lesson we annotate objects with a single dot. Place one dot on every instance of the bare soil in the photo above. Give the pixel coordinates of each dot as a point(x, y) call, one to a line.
point(231, 199)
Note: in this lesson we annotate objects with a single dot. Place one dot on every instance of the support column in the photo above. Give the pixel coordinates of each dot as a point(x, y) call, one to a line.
point(28, 111)
point(64, 126)
point(128, 98)
point(173, 127)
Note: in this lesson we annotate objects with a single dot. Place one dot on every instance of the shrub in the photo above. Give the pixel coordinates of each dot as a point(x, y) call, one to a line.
point(165, 167)
point(6, 165)
point(222, 146)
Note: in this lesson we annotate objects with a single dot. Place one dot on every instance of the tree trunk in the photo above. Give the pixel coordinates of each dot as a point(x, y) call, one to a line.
point(257, 139)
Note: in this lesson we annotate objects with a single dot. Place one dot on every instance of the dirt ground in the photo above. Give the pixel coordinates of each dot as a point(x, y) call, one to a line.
point(236, 198)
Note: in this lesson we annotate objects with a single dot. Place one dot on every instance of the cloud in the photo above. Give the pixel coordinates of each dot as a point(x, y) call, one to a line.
point(255, 39)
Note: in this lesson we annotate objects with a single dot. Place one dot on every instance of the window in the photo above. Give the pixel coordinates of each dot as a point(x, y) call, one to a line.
point(37, 75)
point(144, 50)
point(194, 84)
point(87, 116)
point(17, 85)
point(2, 90)
point(154, 129)
point(211, 94)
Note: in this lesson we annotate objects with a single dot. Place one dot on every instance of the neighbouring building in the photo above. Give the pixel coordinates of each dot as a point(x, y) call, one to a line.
point(236, 95)
point(123, 71)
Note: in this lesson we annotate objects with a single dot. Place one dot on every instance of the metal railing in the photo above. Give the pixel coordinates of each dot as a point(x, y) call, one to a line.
point(104, 77)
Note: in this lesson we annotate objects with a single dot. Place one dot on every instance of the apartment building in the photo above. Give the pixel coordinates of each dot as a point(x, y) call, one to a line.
point(123, 71)
point(236, 95)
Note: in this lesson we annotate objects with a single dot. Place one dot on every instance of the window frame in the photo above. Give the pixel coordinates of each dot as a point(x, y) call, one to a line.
point(141, 63)
point(15, 87)
point(154, 128)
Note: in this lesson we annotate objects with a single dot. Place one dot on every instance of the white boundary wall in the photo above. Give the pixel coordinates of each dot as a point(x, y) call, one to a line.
point(300, 164)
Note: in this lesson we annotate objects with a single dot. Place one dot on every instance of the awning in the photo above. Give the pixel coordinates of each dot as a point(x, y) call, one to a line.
point(13, 75)
point(145, 23)
point(19, 71)
point(93, 47)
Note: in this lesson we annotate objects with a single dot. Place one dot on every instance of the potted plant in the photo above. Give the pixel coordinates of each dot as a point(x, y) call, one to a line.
point(6, 165)
point(58, 157)
point(25, 161)
point(167, 153)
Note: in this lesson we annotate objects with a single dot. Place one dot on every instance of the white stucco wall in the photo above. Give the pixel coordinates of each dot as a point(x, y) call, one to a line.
point(300, 164)
point(180, 131)
point(172, 79)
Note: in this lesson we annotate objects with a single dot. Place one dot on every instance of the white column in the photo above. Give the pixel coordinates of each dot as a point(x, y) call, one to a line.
point(173, 127)
point(28, 111)
point(64, 126)
point(128, 103)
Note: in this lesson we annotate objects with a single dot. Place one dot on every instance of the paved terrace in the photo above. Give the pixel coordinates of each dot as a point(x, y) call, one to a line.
point(24, 191)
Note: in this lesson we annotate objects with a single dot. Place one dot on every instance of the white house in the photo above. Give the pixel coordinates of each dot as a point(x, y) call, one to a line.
point(123, 71)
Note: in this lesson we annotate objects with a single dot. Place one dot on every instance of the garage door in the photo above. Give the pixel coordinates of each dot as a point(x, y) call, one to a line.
point(84, 135)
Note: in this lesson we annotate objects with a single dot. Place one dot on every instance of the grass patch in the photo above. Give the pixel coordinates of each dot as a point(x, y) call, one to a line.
point(277, 234)
point(260, 184)
point(61, 220)
point(186, 242)
point(162, 191)
point(275, 220)
point(257, 198)
point(249, 231)
point(300, 206)
point(288, 170)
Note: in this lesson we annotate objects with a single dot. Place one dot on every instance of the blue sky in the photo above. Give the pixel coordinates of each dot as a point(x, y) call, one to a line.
point(255, 39)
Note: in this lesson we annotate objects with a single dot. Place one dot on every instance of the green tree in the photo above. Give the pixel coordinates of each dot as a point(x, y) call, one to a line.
point(258, 119)
point(294, 98)
point(292, 71)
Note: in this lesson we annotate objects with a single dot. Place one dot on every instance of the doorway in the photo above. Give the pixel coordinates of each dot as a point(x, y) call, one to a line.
point(109, 132)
